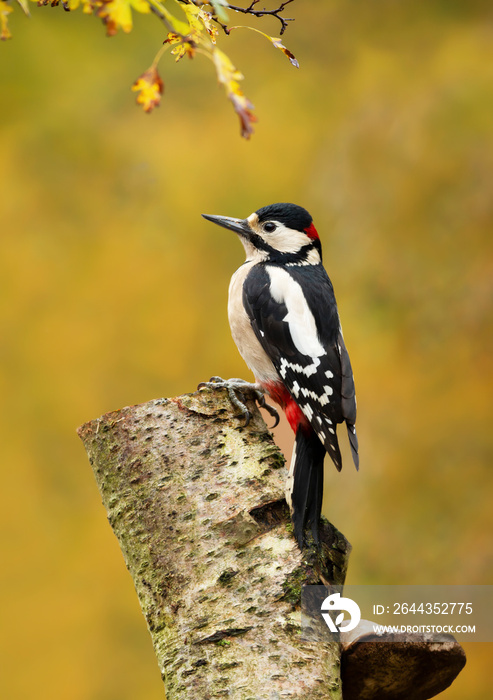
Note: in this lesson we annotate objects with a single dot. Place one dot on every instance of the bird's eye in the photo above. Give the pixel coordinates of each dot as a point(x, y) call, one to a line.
point(270, 226)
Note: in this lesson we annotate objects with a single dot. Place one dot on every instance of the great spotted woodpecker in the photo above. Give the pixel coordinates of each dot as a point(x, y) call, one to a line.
point(284, 321)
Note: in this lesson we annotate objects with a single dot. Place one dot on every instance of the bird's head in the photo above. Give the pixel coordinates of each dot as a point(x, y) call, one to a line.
point(282, 233)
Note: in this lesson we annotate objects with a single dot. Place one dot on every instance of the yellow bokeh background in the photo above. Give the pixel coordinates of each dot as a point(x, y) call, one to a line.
point(113, 292)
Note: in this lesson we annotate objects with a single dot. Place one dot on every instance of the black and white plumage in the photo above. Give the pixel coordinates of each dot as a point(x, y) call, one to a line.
point(284, 320)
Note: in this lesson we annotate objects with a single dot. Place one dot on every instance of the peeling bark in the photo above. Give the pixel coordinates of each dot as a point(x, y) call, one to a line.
point(196, 502)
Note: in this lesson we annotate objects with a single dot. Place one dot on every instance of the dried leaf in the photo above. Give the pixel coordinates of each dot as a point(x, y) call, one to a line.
point(184, 46)
point(150, 88)
point(279, 45)
point(243, 108)
point(5, 10)
point(229, 76)
point(275, 41)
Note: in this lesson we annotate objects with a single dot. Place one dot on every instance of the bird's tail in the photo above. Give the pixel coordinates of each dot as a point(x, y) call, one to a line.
point(353, 441)
point(304, 490)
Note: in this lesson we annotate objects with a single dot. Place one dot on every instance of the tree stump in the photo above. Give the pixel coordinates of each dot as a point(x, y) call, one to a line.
point(196, 501)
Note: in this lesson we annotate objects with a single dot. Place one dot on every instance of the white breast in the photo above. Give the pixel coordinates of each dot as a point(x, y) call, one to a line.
point(242, 332)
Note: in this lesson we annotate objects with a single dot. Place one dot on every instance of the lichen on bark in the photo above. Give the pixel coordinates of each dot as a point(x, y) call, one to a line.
point(196, 502)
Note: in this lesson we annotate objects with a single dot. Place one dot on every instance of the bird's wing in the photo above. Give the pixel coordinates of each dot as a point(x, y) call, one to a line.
point(298, 327)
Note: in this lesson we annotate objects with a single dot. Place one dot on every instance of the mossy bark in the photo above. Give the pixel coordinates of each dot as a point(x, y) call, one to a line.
point(196, 502)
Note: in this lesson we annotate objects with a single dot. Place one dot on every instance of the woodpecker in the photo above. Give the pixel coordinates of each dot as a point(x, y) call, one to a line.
point(285, 323)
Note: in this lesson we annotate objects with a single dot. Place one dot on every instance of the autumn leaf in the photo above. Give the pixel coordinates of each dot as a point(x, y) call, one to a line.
point(150, 88)
point(118, 14)
point(53, 3)
point(88, 6)
point(5, 10)
point(183, 46)
point(192, 13)
point(275, 41)
point(229, 76)
point(199, 19)
point(243, 108)
point(25, 8)
point(186, 42)
point(279, 45)
point(173, 23)
point(194, 31)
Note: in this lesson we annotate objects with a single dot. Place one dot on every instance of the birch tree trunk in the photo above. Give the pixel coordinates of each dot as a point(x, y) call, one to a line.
point(196, 502)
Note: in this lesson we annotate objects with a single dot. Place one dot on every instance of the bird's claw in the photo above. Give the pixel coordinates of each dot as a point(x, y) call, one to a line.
point(235, 388)
point(270, 410)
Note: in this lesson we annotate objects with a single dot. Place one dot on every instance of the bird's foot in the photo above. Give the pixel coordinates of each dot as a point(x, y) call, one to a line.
point(235, 388)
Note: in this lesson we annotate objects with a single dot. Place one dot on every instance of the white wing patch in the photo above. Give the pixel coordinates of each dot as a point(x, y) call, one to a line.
point(323, 399)
point(303, 330)
point(307, 371)
point(314, 399)
point(302, 326)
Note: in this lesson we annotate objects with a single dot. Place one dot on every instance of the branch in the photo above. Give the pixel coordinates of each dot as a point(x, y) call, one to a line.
point(156, 11)
point(196, 502)
point(261, 13)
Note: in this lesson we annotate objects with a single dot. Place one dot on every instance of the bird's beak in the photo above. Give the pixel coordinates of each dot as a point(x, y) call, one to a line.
point(237, 225)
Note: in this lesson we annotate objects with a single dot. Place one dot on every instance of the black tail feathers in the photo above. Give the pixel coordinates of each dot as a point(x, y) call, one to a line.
point(353, 441)
point(307, 484)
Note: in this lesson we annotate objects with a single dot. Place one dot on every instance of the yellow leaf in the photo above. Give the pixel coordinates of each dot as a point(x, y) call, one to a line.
point(176, 25)
point(5, 10)
point(184, 46)
point(117, 14)
point(199, 20)
point(140, 6)
point(88, 6)
point(192, 12)
point(229, 76)
point(226, 72)
point(150, 88)
point(25, 7)
point(198, 31)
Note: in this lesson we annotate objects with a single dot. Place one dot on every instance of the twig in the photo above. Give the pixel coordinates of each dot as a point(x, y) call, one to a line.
point(261, 13)
point(156, 9)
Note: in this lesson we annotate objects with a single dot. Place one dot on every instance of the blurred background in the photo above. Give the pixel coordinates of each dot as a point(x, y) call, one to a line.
point(113, 292)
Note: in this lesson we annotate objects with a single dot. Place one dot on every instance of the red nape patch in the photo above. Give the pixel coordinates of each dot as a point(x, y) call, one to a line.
point(311, 231)
point(281, 396)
